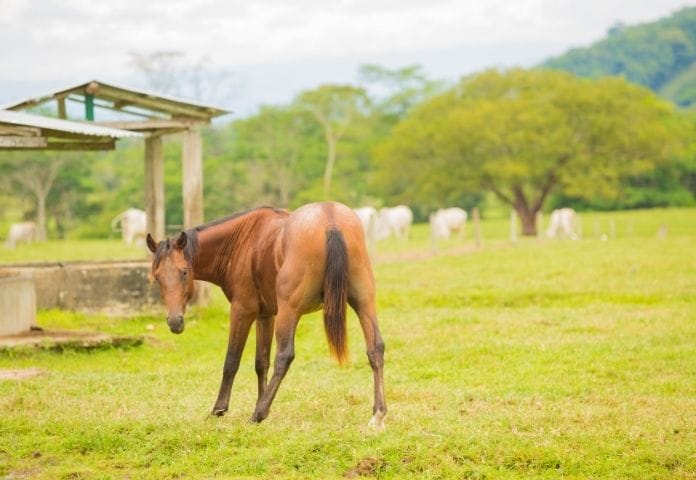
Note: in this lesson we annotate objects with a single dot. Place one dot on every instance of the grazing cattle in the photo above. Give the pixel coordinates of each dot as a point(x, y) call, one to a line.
point(394, 221)
point(562, 224)
point(446, 221)
point(24, 232)
point(133, 225)
point(368, 218)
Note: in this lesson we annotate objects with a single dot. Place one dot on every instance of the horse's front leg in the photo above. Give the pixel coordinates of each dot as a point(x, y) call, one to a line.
point(240, 323)
point(286, 323)
point(264, 339)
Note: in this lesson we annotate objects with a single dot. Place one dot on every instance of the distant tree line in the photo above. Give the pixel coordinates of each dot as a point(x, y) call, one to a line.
point(528, 139)
point(659, 55)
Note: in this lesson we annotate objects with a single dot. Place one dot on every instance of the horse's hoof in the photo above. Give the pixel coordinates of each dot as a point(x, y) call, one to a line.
point(377, 422)
point(257, 418)
point(218, 412)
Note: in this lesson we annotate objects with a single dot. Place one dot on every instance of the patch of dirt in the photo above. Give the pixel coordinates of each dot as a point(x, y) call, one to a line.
point(367, 467)
point(19, 374)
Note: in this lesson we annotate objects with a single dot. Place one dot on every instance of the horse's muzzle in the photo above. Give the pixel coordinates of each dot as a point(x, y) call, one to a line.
point(176, 324)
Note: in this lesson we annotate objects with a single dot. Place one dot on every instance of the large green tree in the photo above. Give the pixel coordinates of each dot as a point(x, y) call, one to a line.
point(523, 134)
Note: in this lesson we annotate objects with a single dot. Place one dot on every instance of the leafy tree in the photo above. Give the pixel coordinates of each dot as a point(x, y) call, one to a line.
point(33, 174)
point(526, 134)
point(335, 108)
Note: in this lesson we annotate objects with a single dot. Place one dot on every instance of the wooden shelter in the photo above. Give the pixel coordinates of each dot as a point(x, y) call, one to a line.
point(152, 115)
point(22, 131)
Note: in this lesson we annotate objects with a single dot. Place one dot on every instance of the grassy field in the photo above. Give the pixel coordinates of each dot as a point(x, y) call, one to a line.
point(534, 360)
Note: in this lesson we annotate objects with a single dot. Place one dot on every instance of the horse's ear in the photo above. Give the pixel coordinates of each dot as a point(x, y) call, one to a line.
point(151, 244)
point(181, 241)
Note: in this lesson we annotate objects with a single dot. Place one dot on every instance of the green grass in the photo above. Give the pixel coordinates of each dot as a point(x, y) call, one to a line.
point(534, 360)
point(71, 250)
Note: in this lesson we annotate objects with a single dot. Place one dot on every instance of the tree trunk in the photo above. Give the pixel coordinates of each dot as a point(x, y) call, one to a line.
point(528, 219)
point(330, 161)
point(41, 216)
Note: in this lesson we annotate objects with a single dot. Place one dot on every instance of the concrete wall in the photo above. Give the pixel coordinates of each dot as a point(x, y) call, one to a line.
point(17, 303)
point(118, 288)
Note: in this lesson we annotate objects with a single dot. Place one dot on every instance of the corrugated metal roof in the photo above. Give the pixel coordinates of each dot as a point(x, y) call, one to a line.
point(58, 125)
point(209, 110)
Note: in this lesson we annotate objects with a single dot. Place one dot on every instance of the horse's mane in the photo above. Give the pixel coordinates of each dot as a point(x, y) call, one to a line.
point(191, 249)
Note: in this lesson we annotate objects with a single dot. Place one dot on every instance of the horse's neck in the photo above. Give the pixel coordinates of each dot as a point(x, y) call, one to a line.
point(220, 244)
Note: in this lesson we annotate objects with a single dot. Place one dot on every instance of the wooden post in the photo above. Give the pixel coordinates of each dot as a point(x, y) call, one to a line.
point(192, 182)
point(154, 187)
point(61, 108)
point(476, 219)
point(513, 226)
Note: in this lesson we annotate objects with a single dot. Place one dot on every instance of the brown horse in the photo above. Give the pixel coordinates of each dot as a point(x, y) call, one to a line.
point(275, 266)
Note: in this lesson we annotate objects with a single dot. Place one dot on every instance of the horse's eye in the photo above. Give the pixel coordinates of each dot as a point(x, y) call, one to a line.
point(184, 272)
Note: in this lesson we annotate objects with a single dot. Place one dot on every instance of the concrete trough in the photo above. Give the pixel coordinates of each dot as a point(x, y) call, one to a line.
point(17, 303)
point(115, 288)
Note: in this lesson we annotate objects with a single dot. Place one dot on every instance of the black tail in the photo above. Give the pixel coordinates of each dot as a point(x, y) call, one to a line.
point(336, 294)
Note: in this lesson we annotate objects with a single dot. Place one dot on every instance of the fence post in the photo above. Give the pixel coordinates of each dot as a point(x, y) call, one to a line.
point(612, 228)
point(476, 219)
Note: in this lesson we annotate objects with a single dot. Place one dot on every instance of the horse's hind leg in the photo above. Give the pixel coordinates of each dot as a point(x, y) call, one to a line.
point(286, 322)
point(365, 308)
point(264, 339)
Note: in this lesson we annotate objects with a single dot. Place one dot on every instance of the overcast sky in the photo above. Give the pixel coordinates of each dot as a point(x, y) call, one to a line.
point(276, 47)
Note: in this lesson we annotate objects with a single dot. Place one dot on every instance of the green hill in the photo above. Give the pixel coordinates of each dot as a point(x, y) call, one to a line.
point(660, 55)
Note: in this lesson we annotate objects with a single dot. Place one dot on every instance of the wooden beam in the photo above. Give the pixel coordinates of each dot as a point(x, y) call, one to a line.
point(47, 132)
point(21, 143)
point(192, 181)
point(19, 131)
point(148, 125)
point(109, 107)
point(154, 186)
point(164, 106)
point(81, 146)
point(61, 108)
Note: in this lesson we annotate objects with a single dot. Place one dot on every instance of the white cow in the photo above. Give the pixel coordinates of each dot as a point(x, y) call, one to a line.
point(562, 223)
point(394, 221)
point(446, 221)
point(368, 218)
point(133, 225)
point(24, 232)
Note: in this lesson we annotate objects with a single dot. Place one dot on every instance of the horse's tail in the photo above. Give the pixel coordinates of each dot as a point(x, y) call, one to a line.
point(336, 294)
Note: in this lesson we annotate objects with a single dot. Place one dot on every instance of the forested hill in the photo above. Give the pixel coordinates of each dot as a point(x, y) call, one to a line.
point(660, 55)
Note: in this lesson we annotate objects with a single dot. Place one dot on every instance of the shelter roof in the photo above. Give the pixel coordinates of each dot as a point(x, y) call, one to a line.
point(23, 131)
point(142, 103)
point(58, 126)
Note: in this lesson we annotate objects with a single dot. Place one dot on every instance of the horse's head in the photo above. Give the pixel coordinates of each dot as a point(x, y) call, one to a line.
point(171, 268)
